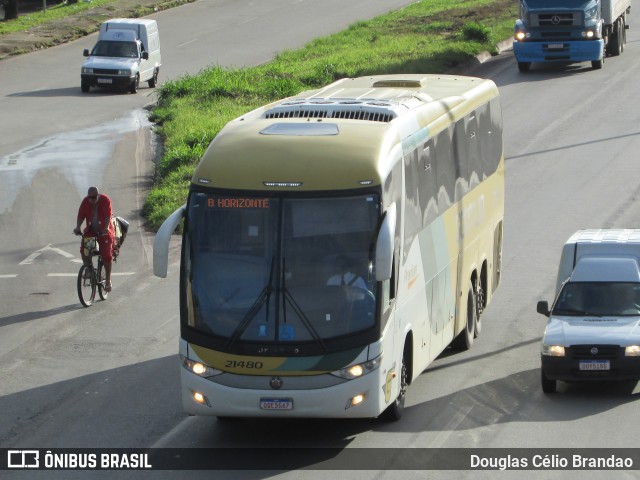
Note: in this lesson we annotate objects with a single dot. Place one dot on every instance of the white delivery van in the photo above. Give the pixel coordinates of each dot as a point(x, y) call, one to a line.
point(127, 53)
point(593, 331)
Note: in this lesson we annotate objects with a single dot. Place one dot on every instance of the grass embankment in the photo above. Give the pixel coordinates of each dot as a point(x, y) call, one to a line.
point(431, 36)
point(25, 21)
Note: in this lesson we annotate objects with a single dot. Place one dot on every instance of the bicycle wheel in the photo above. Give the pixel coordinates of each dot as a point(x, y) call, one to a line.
point(86, 286)
point(101, 280)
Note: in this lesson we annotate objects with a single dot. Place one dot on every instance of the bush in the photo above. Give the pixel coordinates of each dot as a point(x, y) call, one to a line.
point(476, 33)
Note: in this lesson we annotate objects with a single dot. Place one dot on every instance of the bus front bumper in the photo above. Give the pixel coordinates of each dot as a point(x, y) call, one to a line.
point(204, 397)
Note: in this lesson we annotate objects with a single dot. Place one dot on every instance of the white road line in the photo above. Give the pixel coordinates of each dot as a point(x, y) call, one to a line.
point(10, 275)
point(186, 43)
point(31, 258)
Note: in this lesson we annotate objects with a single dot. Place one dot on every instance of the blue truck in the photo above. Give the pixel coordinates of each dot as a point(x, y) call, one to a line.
point(570, 31)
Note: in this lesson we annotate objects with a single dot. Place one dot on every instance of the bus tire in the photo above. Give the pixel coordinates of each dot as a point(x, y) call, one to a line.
point(394, 411)
point(464, 340)
point(480, 301)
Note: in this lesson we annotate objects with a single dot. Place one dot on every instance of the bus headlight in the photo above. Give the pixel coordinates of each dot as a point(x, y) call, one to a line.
point(356, 371)
point(199, 368)
point(553, 350)
point(632, 351)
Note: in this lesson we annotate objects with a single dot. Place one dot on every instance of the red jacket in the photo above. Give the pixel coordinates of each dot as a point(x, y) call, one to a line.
point(104, 215)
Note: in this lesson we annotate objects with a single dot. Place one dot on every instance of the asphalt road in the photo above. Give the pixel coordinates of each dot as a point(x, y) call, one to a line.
point(108, 376)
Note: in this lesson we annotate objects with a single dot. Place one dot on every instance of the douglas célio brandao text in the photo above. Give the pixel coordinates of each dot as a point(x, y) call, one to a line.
point(550, 461)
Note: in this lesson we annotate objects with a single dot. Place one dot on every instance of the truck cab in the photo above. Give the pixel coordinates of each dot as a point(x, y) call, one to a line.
point(569, 31)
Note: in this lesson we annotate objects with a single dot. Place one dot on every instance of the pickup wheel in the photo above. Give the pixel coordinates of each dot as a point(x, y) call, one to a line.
point(154, 80)
point(133, 88)
point(85, 87)
point(524, 66)
point(548, 385)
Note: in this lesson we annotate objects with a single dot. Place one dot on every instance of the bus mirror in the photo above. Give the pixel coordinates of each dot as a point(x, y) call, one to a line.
point(161, 243)
point(384, 245)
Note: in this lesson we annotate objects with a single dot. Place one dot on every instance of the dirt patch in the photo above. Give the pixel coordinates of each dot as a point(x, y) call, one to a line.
point(78, 25)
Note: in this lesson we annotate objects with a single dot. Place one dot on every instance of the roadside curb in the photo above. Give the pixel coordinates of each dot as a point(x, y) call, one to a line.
point(482, 57)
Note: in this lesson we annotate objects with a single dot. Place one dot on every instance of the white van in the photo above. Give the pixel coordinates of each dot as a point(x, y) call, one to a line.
point(593, 331)
point(127, 53)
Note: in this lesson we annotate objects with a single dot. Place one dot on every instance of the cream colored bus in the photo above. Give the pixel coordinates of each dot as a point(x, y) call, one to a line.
point(335, 243)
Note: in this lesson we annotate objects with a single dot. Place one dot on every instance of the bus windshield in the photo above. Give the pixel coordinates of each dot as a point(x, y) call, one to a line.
point(280, 269)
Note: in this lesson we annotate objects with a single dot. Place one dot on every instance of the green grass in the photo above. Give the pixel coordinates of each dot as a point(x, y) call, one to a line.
point(430, 36)
point(25, 21)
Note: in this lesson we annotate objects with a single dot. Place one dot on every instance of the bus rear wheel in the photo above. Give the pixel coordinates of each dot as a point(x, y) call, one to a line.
point(464, 340)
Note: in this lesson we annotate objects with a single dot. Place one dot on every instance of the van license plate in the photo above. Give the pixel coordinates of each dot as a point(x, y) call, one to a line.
point(105, 80)
point(276, 404)
point(555, 46)
point(595, 365)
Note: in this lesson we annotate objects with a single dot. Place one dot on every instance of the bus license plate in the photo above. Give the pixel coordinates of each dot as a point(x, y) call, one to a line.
point(555, 46)
point(595, 365)
point(105, 80)
point(276, 404)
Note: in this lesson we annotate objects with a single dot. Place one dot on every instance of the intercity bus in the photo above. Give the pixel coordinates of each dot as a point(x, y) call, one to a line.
point(396, 180)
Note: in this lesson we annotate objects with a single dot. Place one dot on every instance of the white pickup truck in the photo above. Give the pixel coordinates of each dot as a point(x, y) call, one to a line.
point(593, 331)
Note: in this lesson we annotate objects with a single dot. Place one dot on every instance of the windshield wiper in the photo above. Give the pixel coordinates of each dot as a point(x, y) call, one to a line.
point(286, 296)
point(263, 297)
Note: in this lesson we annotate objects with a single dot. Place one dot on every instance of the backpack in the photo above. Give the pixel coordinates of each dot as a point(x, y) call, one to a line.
point(120, 227)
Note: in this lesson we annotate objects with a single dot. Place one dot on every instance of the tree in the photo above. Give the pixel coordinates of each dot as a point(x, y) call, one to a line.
point(10, 9)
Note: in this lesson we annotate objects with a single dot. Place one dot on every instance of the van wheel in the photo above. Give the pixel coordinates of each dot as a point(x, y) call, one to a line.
point(85, 87)
point(154, 80)
point(548, 385)
point(464, 340)
point(134, 85)
point(394, 411)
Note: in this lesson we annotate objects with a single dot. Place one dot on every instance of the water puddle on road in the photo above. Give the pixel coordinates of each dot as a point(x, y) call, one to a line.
point(73, 154)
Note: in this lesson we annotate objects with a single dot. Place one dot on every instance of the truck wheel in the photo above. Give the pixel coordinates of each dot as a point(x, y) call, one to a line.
point(623, 34)
point(154, 80)
point(133, 88)
point(596, 64)
point(548, 385)
point(524, 66)
point(614, 47)
point(85, 87)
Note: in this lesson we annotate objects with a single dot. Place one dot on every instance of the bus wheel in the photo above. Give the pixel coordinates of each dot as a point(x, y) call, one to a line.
point(480, 308)
point(464, 340)
point(394, 411)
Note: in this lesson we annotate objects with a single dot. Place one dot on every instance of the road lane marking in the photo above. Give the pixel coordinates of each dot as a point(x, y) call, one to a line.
point(186, 43)
point(9, 275)
point(31, 258)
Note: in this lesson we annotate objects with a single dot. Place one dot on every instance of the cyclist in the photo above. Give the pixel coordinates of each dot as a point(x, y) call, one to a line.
point(95, 209)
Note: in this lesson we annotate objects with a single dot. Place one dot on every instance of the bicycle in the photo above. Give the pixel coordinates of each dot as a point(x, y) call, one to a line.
point(91, 277)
